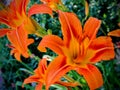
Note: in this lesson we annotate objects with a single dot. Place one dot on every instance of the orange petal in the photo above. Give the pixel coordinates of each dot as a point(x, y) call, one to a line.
point(17, 56)
point(115, 33)
point(19, 5)
point(31, 79)
point(71, 26)
point(16, 5)
point(102, 49)
point(92, 75)
point(42, 66)
point(3, 17)
point(15, 52)
point(36, 8)
point(30, 41)
point(56, 69)
point(19, 40)
point(91, 27)
point(3, 32)
point(56, 1)
point(24, 4)
point(39, 86)
point(53, 42)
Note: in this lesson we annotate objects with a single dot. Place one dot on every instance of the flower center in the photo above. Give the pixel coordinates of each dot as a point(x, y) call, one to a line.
point(77, 50)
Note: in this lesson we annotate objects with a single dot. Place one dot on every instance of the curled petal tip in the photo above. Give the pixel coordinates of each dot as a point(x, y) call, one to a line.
point(115, 33)
point(39, 9)
point(42, 49)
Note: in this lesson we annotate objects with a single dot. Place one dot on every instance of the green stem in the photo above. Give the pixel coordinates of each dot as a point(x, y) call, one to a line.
point(25, 65)
point(62, 7)
point(104, 74)
point(26, 70)
point(33, 56)
point(40, 31)
point(103, 32)
point(71, 79)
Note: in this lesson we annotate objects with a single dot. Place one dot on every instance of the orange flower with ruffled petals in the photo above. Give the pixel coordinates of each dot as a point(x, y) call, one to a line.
point(79, 49)
point(41, 78)
point(39, 75)
point(15, 15)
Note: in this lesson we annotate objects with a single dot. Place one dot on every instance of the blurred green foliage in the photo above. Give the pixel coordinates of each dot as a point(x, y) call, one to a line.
point(14, 72)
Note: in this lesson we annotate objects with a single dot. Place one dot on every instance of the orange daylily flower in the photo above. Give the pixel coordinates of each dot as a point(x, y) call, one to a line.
point(115, 33)
point(14, 15)
point(79, 49)
point(20, 42)
point(20, 25)
point(40, 76)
